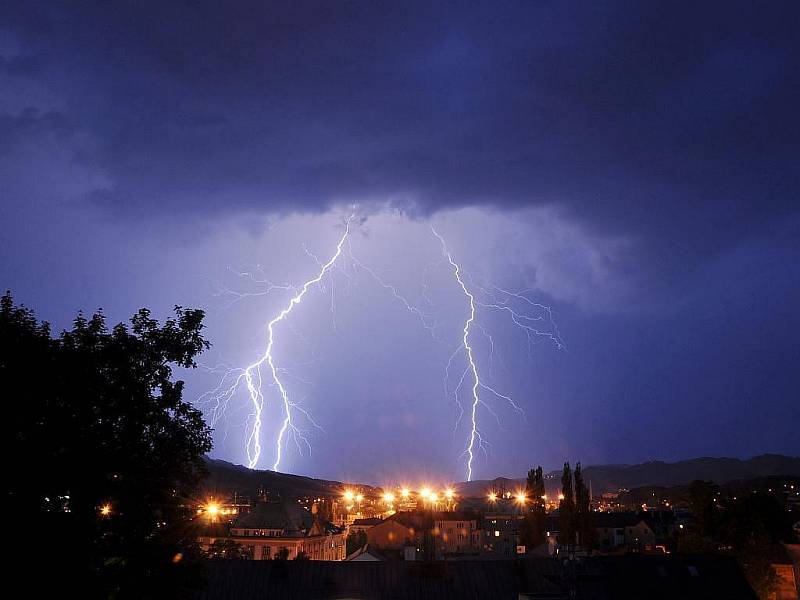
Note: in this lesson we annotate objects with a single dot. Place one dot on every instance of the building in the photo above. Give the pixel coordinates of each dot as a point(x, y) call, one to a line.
point(270, 529)
point(626, 532)
point(456, 533)
point(363, 524)
point(501, 534)
point(391, 534)
point(615, 533)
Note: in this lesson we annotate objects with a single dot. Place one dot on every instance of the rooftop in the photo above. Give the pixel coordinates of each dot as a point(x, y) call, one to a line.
point(603, 578)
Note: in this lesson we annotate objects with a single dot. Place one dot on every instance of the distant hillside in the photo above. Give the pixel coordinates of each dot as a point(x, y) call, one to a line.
point(225, 477)
point(613, 477)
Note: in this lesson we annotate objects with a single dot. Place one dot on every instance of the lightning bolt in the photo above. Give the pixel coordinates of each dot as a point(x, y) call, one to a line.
point(479, 298)
point(474, 434)
point(253, 377)
point(525, 322)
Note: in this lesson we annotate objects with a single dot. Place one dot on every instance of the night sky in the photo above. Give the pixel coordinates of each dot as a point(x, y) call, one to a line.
point(632, 165)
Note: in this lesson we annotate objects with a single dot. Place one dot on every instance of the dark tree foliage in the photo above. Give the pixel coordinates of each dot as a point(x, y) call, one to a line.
point(97, 421)
point(302, 556)
point(282, 554)
point(354, 541)
point(702, 497)
point(584, 518)
point(749, 528)
point(532, 528)
point(566, 509)
point(226, 549)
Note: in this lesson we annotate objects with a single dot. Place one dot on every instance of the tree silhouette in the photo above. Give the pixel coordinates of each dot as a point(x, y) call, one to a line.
point(107, 452)
point(566, 510)
point(532, 528)
point(584, 518)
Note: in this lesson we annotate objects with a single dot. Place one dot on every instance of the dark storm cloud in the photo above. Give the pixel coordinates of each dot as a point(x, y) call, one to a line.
point(633, 163)
point(675, 121)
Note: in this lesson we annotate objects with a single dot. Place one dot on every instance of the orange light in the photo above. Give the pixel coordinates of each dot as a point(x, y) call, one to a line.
point(520, 496)
point(425, 492)
point(449, 493)
point(492, 497)
point(105, 510)
point(388, 497)
point(561, 496)
point(212, 508)
point(359, 497)
point(348, 495)
point(405, 492)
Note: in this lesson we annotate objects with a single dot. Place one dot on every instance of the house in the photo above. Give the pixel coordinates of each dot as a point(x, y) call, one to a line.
point(615, 533)
point(623, 531)
point(501, 534)
point(434, 534)
point(272, 528)
point(391, 534)
point(456, 533)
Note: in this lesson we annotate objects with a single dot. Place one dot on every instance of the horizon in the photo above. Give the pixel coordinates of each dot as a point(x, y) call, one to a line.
point(522, 477)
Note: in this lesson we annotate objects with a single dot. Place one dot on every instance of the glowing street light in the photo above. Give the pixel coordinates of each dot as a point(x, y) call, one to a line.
point(425, 492)
point(388, 497)
point(105, 510)
point(212, 508)
point(348, 495)
point(520, 497)
point(449, 493)
point(359, 498)
point(405, 492)
point(492, 497)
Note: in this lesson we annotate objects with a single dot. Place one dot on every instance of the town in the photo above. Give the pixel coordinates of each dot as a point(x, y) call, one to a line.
point(548, 520)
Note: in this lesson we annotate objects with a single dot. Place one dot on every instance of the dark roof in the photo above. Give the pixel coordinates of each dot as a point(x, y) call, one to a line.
point(663, 577)
point(367, 549)
point(455, 516)
point(423, 519)
point(368, 522)
point(275, 515)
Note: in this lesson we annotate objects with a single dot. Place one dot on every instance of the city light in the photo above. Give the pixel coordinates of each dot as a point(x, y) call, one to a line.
point(359, 497)
point(433, 497)
point(405, 492)
point(561, 496)
point(212, 508)
point(105, 510)
point(449, 493)
point(348, 495)
point(520, 497)
point(425, 492)
point(492, 497)
point(388, 497)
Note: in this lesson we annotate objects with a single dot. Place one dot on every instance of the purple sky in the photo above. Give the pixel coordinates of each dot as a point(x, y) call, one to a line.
point(632, 165)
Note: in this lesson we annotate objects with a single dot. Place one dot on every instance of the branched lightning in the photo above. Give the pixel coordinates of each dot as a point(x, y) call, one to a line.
point(527, 323)
point(533, 319)
point(252, 375)
point(474, 434)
